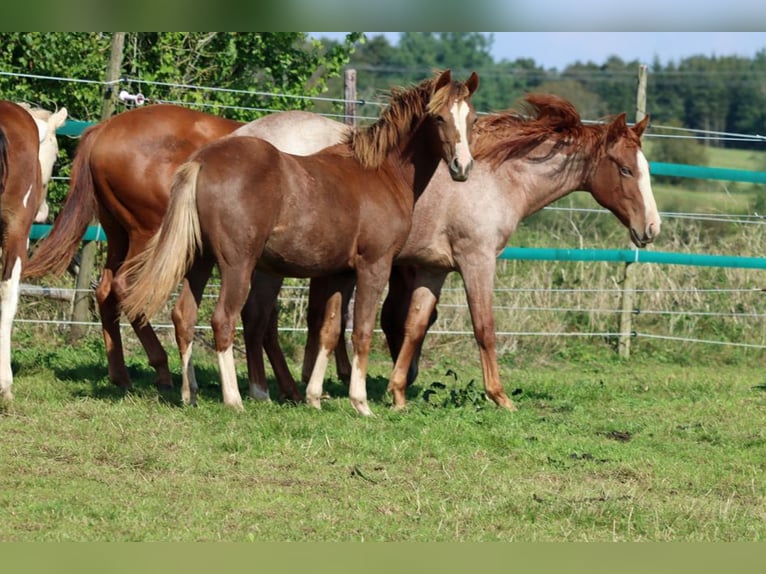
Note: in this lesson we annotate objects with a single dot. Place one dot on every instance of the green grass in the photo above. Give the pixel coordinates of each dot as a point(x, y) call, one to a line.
point(600, 449)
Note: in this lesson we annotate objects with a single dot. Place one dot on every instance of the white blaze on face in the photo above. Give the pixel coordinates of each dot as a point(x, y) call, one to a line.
point(650, 206)
point(460, 111)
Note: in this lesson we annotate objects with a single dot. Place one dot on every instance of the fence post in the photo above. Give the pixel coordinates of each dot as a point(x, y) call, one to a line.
point(629, 278)
point(81, 308)
point(349, 90)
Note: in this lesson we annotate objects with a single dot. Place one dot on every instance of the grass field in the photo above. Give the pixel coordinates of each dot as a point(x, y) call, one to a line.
point(599, 450)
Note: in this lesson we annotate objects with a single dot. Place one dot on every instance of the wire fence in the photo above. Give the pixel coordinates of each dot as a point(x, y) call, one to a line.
point(594, 309)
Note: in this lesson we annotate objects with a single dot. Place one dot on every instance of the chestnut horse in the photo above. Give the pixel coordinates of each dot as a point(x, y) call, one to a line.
point(523, 163)
point(240, 203)
point(122, 173)
point(28, 150)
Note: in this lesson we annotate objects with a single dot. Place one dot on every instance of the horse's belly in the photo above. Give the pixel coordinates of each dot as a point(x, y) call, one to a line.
point(302, 257)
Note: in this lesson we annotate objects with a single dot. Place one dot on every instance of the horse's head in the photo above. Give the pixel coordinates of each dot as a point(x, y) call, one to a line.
point(47, 124)
point(621, 183)
point(451, 108)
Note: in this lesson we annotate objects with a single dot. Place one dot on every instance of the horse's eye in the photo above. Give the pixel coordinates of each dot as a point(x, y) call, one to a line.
point(626, 171)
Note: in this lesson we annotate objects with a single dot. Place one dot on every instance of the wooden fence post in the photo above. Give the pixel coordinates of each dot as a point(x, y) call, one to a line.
point(81, 308)
point(349, 90)
point(629, 278)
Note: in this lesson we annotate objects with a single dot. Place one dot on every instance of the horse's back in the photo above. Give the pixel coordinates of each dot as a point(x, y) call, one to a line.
point(135, 153)
point(296, 131)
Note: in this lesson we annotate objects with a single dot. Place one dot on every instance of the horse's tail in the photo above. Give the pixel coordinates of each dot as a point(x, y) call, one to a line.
point(53, 253)
point(152, 275)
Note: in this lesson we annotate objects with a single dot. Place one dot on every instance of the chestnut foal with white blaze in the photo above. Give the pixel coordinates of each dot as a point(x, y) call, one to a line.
point(347, 208)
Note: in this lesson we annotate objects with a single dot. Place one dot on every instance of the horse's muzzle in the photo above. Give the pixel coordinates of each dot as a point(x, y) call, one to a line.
point(459, 172)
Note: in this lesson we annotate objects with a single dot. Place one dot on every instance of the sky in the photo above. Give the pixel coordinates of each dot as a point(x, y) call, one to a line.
point(559, 49)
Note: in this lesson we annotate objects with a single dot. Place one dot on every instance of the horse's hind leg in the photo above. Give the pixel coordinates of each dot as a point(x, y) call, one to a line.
point(288, 390)
point(327, 328)
point(235, 287)
point(109, 293)
point(184, 316)
point(259, 321)
point(156, 354)
point(315, 316)
point(110, 327)
point(425, 293)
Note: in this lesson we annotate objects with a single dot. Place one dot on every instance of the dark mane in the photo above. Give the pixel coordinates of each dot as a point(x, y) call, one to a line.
point(543, 117)
point(372, 144)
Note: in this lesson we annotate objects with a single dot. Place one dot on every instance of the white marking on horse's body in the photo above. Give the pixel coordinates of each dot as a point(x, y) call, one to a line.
point(231, 396)
point(314, 387)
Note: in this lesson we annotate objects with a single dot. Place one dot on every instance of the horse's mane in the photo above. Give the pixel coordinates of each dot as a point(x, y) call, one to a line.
point(372, 144)
point(541, 117)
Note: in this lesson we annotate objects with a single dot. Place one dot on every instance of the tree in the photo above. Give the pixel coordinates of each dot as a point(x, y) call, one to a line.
point(239, 75)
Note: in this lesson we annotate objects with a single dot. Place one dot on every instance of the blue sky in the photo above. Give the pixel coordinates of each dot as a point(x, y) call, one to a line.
point(558, 49)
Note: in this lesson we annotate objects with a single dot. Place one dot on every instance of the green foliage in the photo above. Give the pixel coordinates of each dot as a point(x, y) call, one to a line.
point(439, 394)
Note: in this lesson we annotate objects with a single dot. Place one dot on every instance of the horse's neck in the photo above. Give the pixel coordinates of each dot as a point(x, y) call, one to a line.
point(416, 162)
point(539, 180)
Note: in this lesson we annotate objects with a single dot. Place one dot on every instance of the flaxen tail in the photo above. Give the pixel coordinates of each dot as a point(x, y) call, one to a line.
point(154, 273)
point(53, 254)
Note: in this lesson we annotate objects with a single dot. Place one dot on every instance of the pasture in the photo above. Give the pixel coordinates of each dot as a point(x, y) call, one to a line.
point(667, 446)
point(599, 450)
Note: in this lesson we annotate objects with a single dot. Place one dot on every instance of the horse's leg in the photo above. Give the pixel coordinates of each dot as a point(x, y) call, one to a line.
point(13, 258)
point(424, 295)
point(184, 317)
point(259, 320)
point(478, 274)
point(370, 283)
point(109, 311)
point(315, 316)
point(342, 362)
point(235, 286)
point(393, 315)
point(288, 390)
point(109, 293)
point(327, 333)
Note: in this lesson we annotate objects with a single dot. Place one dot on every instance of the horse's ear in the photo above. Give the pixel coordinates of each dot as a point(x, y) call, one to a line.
point(473, 83)
point(57, 120)
point(443, 80)
point(639, 128)
point(617, 128)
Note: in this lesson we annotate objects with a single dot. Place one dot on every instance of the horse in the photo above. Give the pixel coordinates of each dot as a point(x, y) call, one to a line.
point(47, 123)
point(121, 173)
point(28, 151)
point(242, 204)
point(523, 162)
